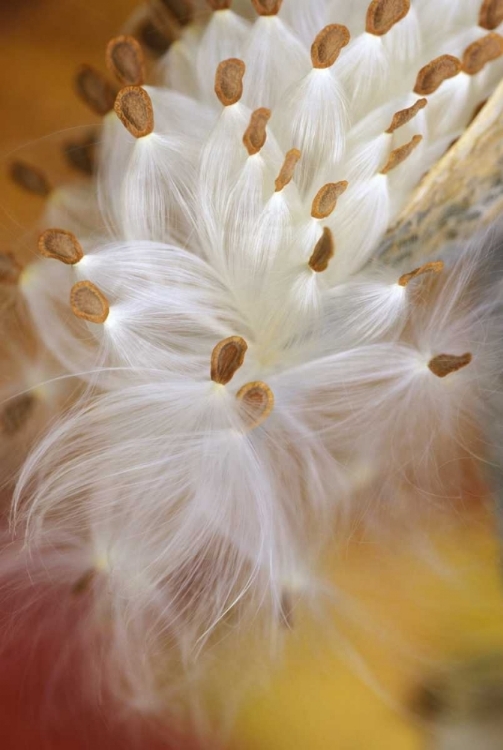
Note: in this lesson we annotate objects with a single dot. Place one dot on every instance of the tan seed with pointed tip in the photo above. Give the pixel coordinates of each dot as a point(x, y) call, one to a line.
point(10, 269)
point(327, 46)
point(94, 90)
point(326, 199)
point(478, 54)
point(267, 7)
point(287, 170)
point(323, 252)
point(382, 15)
point(133, 107)
point(432, 75)
point(258, 402)
point(436, 266)
point(220, 4)
point(181, 10)
point(403, 116)
point(16, 413)
point(124, 58)
point(256, 133)
point(88, 302)
point(229, 81)
point(227, 358)
point(445, 364)
point(491, 14)
point(30, 178)
point(60, 245)
point(398, 155)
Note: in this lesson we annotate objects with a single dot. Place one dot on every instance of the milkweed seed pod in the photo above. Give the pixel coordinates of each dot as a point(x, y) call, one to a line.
point(269, 335)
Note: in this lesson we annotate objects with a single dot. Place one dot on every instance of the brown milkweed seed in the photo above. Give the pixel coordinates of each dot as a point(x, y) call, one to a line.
point(491, 14)
point(10, 269)
point(326, 199)
point(88, 302)
point(133, 107)
point(445, 364)
point(181, 10)
point(256, 133)
point(60, 245)
point(229, 81)
point(323, 252)
point(435, 73)
point(477, 55)
point(16, 413)
point(30, 178)
point(124, 58)
point(227, 358)
point(398, 155)
point(267, 7)
point(327, 46)
point(94, 90)
point(406, 115)
point(287, 170)
point(382, 15)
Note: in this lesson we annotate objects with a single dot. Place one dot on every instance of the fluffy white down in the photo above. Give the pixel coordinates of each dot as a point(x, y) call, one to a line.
point(196, 518)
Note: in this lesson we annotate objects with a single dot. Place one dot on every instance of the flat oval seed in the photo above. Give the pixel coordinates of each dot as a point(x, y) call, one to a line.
point(60, 245)
point(436, 266)
point(133, 107)
point(326, 199)
point(435, 73)
point(88, 302)
point(327, 46)
point(267, 7)
point(382, 15)
point(287, 170)
point(491, 14)
point(124, 58)
point(229, 81)
point(227, 358)
point(29, 178)
point(398, 155)
point(445, 364)
point(256, 133)
point(323, 252)
point(478, 54)
point(153, 38)
point(94, 90)
point(10, 269)
point(258, 402)
point(406, 115)
point(16, 413)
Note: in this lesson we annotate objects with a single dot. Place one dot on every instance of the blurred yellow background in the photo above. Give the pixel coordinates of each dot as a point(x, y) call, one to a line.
point(413, 610)
point(416, 611)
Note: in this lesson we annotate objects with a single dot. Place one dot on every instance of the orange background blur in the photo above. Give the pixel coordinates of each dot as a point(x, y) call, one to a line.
point(42, 42)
